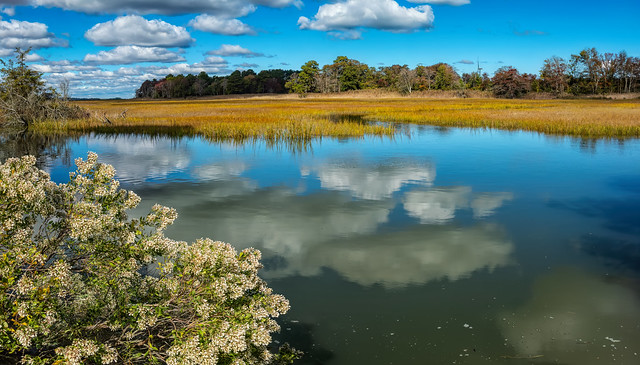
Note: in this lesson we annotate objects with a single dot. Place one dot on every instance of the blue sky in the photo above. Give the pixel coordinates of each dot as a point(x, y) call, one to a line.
point(107, 48)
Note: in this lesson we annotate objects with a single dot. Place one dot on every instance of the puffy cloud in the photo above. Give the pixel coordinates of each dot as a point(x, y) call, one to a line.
point(575, 318)
point(345, 18)
point(218, 25)
point(211, 65)
point(372, 182)
point(438, 206)
point(94, 82)
point(125, 55)
point(226, 8)
point(234, 50)
point(62, 67)
point(23, 34)
point(10, 11)
point(138, 31)
point(441, 2)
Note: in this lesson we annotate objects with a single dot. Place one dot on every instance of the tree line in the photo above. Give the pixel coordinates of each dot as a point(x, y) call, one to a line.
point(588, 72)
point(238, 82)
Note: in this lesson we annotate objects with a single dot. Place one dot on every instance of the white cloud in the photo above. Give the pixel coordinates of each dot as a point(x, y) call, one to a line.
point(125, 55)
point(23, 34)
point(9, 11)
point(441, 2)
point(246, 65)
point(349, 16)
point(226, 8)
point(234, 50)
point(219, 25)
point(89, 81)
point(62, 67)
point(136, 30)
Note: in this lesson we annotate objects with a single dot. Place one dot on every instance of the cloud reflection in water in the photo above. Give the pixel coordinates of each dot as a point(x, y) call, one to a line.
point(372, 182)
point(576, 318)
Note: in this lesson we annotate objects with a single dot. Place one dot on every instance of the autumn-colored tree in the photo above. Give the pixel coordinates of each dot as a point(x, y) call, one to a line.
point(509, 83)
point(554, 74)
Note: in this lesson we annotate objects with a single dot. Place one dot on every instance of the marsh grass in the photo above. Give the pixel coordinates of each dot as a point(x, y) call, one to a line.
point(285, 119)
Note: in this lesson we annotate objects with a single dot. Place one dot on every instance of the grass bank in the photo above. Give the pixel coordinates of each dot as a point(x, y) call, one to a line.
point(294, 119)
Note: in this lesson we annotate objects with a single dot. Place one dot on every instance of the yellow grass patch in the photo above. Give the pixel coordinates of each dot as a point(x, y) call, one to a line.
point(290, 119)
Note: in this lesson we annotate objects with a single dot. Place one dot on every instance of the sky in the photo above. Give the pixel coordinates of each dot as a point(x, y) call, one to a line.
point(107, 48)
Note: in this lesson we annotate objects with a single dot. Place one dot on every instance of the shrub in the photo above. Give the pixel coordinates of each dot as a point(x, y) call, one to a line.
point(24, 99)
point(82, 283)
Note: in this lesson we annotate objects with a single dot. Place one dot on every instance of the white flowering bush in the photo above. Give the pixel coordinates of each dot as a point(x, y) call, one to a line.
point(82, 283)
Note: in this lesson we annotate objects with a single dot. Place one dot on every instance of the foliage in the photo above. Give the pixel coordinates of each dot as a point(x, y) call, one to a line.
point(238, 82)
point(304, 81)
point(82, 283)
point(24, 98)
point(554, 75)
point(509, 83)
point(588, 72)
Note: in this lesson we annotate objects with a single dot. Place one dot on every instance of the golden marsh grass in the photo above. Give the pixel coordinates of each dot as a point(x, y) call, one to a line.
point(293, 119)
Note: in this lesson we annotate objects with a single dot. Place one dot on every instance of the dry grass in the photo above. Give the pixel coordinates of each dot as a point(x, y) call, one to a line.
point(288, 118)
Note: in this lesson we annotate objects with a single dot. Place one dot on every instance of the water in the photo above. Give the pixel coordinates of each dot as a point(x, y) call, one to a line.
point(445, 246)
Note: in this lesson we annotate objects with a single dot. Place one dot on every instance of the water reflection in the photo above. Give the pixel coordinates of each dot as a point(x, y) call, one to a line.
point(619, 215)
point(414, 256)
point(618, 253)
point(278, 220)
point(576, 318)
point(375, 182)
point(46, 149)
point(385, 263)
point(438, 206)
point(139, 159)
point(302, 234)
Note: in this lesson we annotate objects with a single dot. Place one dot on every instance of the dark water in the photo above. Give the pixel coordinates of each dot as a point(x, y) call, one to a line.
point(447, 247)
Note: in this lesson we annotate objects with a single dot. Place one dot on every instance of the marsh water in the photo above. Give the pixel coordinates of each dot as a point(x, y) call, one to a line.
point(440, 246)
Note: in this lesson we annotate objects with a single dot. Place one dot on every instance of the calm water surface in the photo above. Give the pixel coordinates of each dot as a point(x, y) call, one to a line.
point(447, 246)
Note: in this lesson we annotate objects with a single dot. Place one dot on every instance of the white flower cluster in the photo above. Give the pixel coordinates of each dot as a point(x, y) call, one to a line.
point(78, 279)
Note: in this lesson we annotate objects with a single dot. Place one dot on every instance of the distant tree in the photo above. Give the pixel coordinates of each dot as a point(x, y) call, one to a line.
point(508, 83)
point(446, 78)
point(234, 83)
point(586, 67)
point(146, 90)
point(351, 73)
point(425, 77)
point(406, 79)
point(472, 81)
point(305, 81)
point(554, 74)
point(327, 80)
